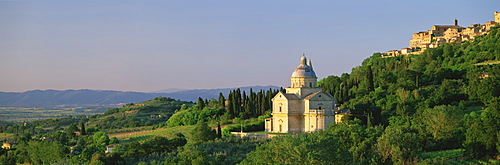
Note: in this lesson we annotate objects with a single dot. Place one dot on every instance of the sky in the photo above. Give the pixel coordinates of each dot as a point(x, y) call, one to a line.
point(146, 46)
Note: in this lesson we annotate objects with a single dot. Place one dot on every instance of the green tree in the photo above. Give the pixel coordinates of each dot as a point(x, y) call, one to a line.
point(201, 103)
point(82, 128)
point(221, 101)
point(369, 78)
point(156, 144)
point(359, 140)
point(114, 140)
point(202, 133)
point(399, 145)
point(192, 155)
point(100, 140)
point(442, 121)
point(316, 148)
point(44, 152)
point(72, 129)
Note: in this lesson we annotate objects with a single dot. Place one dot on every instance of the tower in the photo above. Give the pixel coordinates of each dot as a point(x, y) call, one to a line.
point(497, 17)
point(304, 107)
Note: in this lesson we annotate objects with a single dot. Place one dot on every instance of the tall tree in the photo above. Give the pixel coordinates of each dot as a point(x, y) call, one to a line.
point(399, 145)
point(369, 78)
point(82, 128)
point(316, 148)
point(221, 101)
point(201, 103)
point(202, 133)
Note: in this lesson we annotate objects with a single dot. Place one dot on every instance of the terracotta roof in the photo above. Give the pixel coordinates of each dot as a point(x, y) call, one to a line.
point(288, 96)
point(343, 111)
point(314, 94)
point(291, 96)
point(311, 95)
point(112, 145)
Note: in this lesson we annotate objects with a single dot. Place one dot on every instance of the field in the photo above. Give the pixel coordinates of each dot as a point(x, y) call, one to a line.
point(7, 136)
point(14, 115)
point(454, 156)
point(170, 132)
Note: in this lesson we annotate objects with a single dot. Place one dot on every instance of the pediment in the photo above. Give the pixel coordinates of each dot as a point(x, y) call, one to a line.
point(325, 96)
point(285, 96)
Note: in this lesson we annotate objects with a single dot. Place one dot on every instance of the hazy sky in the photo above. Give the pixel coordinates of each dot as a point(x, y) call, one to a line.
point(153, 45)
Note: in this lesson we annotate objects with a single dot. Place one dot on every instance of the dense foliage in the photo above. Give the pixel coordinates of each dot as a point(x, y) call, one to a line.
point(147, 113)
point(404, 109)
point(447, 97)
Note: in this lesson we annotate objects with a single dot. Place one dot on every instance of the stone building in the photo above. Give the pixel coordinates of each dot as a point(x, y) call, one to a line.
point(440, 34)
point(304, 107)
point(9, 145)
point(497, 17)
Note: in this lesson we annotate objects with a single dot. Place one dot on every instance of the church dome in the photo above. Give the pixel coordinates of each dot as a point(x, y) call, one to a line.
point(305, 69)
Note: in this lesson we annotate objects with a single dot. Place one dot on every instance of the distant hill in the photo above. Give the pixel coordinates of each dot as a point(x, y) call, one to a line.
point(193, 94)
point(169, 90)
point(85, 97)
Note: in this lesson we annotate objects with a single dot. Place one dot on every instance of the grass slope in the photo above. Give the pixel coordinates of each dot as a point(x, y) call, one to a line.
point(454, 157)
point(143, 135)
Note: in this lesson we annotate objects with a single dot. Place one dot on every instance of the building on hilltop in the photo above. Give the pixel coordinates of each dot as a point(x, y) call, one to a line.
point(497, 17)
point(9, 145)
point(304, 107)
point(440, 34)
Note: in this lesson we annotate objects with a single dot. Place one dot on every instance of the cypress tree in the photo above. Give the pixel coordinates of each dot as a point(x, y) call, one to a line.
point(219, 129)
point(201, 103)
point(251, 103)
point(369, 77)
point(221, 100)
point(230, 103)
point(82, 128)
point(238, 101)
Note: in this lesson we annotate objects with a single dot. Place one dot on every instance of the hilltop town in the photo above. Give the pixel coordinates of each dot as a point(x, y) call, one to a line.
point(440, 34)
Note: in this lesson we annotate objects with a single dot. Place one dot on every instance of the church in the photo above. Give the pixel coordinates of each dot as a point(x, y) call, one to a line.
point(304, 107)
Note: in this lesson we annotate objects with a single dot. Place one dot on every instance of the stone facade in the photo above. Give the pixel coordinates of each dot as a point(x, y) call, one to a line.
point(304, 107)
point(497, 17)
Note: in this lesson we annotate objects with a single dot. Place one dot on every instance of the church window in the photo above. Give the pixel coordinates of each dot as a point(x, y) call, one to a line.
point(280, 125)
point(319, 108)
point(319, 95)
point(280, 108)
point(310, 84)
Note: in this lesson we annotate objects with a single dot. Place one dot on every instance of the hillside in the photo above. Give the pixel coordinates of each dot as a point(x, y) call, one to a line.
point(439, 107)
point(147, 113)
point(75, 98)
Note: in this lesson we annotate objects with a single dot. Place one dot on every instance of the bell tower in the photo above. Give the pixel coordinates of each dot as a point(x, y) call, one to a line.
point(497, 17)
